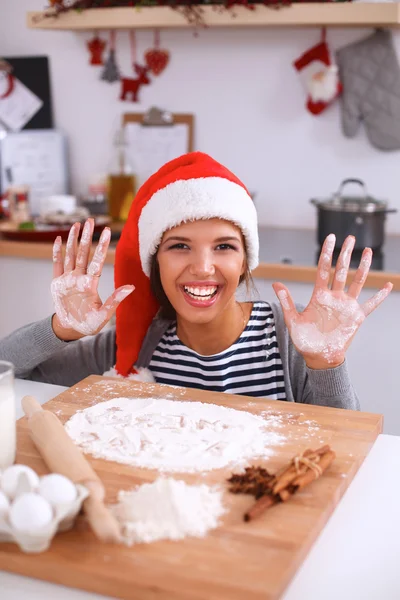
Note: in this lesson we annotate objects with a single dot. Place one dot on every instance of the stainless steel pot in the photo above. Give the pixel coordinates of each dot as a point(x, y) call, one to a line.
point(361, 216)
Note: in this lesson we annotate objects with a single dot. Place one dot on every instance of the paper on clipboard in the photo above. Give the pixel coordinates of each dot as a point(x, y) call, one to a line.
point(36, 158)
point(18, 108)
point(151, 147)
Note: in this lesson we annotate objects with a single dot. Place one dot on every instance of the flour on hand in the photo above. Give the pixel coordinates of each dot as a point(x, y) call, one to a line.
point(171, 436)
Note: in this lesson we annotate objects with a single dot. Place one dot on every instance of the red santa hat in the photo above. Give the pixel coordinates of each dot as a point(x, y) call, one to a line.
point(189, 188)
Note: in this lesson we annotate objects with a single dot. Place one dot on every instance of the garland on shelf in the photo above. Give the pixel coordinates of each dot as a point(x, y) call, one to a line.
point(191, 9)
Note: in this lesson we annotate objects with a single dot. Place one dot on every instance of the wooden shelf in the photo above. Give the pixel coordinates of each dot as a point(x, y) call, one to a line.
point(346, 14)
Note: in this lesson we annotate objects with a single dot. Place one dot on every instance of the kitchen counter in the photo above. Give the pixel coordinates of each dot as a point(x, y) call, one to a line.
point(285, 254)
point(356, 555)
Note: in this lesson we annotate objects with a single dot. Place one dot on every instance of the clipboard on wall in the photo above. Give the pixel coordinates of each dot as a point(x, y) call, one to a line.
point(156, 137)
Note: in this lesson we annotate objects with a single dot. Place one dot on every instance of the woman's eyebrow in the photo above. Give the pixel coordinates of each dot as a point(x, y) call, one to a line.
point(176, 238)
point(228, 238)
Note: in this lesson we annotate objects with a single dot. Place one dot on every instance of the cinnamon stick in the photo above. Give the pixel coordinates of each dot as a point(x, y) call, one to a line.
point(306, 478)
point(290, 473)
point(259, 507)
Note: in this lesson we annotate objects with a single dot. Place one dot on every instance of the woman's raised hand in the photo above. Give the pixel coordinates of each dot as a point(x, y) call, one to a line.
point(324, 330)
point(79, 309)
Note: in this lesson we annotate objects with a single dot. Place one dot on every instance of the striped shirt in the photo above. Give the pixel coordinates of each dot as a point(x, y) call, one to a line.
point(252, 366)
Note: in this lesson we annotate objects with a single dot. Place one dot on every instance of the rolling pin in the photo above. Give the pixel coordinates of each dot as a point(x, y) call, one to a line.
point(62, 456)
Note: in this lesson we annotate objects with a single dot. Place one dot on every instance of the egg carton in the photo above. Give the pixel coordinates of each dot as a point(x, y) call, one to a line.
point(39, 540)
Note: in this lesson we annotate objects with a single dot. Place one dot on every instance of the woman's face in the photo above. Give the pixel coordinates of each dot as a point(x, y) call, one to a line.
point(200, 266)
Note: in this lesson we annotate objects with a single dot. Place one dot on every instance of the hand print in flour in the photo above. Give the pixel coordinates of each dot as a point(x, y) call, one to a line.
point(74, 287)
point(323, 332)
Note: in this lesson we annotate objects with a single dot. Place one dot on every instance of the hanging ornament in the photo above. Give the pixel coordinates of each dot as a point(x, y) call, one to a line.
point(96, 48)
point(130, 87)
point(156, 58)
point(111, 72)
point(319, 75)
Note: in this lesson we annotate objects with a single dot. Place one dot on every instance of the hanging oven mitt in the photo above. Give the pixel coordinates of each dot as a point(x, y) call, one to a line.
point(370, 75)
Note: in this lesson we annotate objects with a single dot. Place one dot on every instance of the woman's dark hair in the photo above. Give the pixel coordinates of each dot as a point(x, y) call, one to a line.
point(167, 311)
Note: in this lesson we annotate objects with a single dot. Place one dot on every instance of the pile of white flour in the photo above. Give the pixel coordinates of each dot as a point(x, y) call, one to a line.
point(167, 509)
point(171, 436)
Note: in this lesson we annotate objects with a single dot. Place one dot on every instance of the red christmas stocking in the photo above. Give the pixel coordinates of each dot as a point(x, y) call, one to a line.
point(319, 76)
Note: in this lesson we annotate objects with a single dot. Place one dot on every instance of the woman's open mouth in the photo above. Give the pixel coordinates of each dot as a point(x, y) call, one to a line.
point(204, 295)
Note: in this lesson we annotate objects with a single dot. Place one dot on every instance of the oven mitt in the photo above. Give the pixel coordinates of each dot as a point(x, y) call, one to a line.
point(370, 75)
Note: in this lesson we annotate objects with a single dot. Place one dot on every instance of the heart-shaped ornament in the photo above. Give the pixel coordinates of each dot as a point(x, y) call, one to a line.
point(156, 60)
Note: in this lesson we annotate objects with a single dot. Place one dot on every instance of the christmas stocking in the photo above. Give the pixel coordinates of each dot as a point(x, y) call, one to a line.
point(319, 76)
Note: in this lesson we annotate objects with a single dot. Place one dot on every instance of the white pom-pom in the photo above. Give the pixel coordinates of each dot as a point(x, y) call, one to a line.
point(143, 374)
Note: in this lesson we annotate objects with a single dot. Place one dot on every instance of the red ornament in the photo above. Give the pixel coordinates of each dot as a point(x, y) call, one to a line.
point(96, 48)
point(130, 87)
point(156, 58)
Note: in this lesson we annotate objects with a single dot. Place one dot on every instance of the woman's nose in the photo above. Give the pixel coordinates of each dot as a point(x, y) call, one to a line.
point(202, 265)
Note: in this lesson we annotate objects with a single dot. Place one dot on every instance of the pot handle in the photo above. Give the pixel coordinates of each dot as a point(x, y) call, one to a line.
point(351, 180)
point(390, 210)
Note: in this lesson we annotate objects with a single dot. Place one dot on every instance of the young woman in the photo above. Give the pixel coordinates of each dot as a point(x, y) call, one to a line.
point(190, 240)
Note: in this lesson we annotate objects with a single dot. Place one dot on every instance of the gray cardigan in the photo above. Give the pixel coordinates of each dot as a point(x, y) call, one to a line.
point(39, 355)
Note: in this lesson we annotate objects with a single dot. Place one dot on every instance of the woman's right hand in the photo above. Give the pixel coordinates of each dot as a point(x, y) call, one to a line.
point(79, 309)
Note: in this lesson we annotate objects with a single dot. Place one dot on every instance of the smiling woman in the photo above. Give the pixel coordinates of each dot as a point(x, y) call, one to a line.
point(190, 239)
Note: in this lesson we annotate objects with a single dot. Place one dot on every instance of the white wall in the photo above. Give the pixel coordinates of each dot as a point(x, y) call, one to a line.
point(248, 102)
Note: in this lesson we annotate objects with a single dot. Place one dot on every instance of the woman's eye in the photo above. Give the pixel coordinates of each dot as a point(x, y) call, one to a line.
point(178, 247)
point(226, 247)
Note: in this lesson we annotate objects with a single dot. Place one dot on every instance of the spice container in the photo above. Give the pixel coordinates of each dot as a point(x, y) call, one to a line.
point(96, 201)
point(18, 203)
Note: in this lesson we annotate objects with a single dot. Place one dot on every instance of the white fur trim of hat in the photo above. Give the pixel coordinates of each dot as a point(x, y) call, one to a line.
point(192, 200)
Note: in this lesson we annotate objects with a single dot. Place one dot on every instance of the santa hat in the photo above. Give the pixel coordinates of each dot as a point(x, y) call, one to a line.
point(191, 187)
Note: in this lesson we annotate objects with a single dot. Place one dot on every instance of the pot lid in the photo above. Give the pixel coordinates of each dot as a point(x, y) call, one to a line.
point(344, 202)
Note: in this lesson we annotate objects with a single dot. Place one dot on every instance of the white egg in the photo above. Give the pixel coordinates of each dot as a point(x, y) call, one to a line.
point(30, 512)
point(4, 505)
point(10, 479)
point(57, 489)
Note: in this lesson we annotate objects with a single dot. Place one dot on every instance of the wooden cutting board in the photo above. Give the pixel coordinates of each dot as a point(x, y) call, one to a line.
point(238, 560)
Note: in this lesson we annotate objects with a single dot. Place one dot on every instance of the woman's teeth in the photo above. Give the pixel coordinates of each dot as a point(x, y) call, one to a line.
point(201, 293)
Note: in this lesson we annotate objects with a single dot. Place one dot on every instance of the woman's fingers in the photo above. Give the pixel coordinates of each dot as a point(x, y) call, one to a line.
point(325, 262)
point(370, 305)
point(342, 265)
point(99, 257)
point(84, 246)
point(289, 309)
point(361, 274)
point(70, 252)
point(58, 268)
point(111, 304)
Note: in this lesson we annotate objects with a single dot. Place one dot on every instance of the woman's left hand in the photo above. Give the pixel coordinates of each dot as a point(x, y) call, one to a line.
point(324, 330)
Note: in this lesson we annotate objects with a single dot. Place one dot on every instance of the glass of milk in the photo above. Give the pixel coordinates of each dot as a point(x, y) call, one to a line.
point(8, 433)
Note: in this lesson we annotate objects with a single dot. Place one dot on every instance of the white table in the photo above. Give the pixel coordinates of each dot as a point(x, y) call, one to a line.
point(356, 557)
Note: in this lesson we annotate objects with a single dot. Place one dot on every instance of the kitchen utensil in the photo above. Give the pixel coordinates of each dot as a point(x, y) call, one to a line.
point(237, 560)
point(362, 216)
point(62, 456)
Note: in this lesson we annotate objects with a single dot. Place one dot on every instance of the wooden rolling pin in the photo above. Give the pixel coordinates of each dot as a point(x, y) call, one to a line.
point(62, 456)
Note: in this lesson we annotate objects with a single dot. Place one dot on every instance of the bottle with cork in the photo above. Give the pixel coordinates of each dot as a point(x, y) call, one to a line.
point(121, 179)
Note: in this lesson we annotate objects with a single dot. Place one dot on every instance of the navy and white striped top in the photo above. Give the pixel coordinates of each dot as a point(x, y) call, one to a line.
point(252, 366)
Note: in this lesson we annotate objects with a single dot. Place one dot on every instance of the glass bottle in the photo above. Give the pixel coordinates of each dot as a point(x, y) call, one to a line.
point(121, 180)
